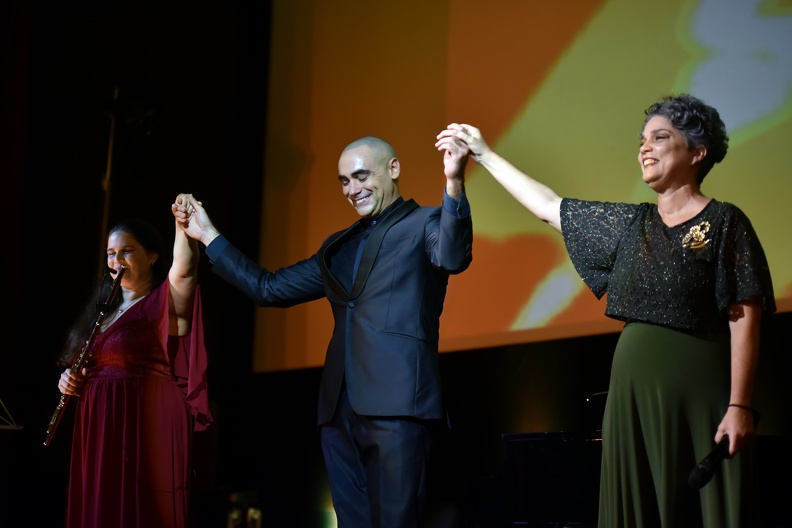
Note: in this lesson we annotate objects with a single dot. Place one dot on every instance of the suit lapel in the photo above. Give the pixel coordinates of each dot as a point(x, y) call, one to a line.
point(328, 276)
point(374, 242)
point(370, 251)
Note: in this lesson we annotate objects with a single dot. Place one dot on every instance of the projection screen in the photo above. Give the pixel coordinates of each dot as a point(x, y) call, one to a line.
point(559, 89)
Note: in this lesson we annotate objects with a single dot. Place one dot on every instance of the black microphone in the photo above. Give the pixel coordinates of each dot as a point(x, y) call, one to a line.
point(704, 470)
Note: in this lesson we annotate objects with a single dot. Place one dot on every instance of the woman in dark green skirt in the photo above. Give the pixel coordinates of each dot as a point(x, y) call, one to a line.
point(689, 277)
point(666, 398)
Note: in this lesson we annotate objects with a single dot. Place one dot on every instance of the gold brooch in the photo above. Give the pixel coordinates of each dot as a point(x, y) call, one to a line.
point(695, 237)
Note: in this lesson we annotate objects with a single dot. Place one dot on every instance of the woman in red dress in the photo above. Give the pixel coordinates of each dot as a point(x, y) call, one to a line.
point(143, 391)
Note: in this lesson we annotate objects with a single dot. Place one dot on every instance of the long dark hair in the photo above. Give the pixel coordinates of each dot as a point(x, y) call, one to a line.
point(80, 330)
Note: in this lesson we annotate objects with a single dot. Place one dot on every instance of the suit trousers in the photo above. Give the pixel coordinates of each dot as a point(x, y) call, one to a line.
point(377, 467)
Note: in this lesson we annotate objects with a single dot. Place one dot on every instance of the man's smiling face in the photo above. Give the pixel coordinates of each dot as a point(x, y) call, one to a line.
point(368, 179)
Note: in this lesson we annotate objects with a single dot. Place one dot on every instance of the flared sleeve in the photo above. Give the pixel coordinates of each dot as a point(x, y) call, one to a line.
point(188, 360)
point(197, 393)
point(742, 271)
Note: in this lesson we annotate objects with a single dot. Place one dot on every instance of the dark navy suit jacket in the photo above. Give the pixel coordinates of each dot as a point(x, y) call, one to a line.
point(385, 339)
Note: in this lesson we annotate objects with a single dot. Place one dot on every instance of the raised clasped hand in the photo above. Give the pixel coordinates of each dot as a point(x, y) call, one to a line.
point(469, 135)
point(182, 210)
point(455, 156)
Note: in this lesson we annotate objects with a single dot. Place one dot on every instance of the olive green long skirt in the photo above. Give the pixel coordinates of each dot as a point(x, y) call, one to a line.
point(668, 392)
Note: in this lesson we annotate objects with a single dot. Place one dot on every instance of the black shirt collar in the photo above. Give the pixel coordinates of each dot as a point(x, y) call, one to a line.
point(372, 222)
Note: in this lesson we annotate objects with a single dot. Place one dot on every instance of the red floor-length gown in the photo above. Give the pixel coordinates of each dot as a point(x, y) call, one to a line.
point(145, 394)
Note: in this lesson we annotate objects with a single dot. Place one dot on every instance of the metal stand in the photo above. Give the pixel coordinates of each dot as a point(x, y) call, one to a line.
point(6, 420)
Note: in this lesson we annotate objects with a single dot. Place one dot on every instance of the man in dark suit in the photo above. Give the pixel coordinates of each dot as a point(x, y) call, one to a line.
point(385, 278)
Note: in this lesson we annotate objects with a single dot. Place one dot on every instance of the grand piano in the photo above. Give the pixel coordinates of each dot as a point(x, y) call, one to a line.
point(547, 479)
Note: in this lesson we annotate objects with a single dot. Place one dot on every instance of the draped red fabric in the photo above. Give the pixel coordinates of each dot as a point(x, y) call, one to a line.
point(145, 393)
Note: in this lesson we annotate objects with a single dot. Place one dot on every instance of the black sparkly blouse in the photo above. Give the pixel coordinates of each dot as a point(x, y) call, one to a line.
point(683, 277)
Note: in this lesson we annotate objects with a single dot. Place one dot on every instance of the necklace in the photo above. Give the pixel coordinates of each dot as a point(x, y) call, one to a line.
point(130, 304)
point(113, 316)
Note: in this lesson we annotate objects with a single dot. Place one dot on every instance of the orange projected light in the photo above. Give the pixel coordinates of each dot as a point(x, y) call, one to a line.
point(559, 93)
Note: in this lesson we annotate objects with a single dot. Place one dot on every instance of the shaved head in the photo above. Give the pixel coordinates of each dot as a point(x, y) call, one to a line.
point(380, 146)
